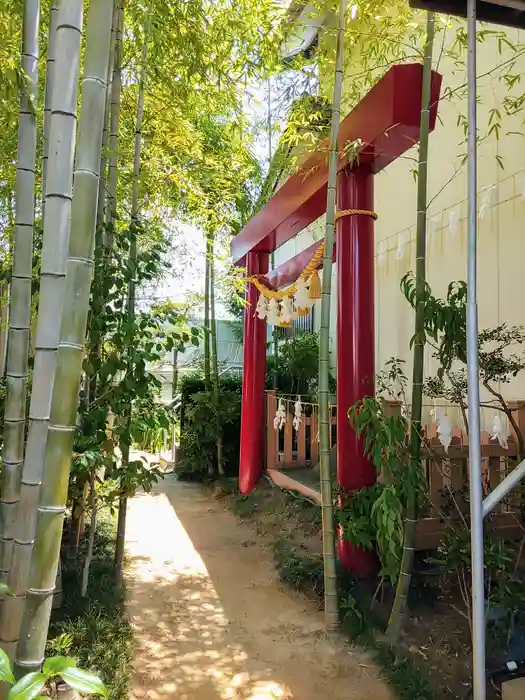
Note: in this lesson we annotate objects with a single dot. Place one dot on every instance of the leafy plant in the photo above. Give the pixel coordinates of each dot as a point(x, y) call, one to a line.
point(95, 629)
point(199, 428)
point(297, 366)
point(374, 516)
point(504, 589)
point(54, 668)
point(501, 350)
point(351, 615)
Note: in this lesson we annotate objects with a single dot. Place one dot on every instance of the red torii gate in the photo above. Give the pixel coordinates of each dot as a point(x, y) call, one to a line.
point(386, 123)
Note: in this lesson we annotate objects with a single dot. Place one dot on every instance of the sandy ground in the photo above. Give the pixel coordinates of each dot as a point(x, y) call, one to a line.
point(211, 619)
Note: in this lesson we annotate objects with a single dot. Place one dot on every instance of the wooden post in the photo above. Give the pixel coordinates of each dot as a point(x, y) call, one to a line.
point(518, 413)
point(272, 458)
point(301, 443)
point(288, 436)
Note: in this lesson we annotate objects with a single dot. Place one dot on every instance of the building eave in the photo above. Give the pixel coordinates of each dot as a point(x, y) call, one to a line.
point(307, 23)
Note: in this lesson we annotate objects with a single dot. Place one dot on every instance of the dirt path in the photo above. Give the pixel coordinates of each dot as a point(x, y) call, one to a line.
point(211, 619)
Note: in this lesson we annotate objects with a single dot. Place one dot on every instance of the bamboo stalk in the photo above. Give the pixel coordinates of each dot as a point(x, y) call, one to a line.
point(50, 67)
point(331, 604)
point(398, 612)
point(135, 189)
point(64, 403)
point(215, 360)
point(4, 324)
point(116, 95)
point(20, 306)
point(275, 337)
point(62, 132)
point(135, 212)
point(105, 134)
point(92, 530)
point(207, 350)
point(95, 335)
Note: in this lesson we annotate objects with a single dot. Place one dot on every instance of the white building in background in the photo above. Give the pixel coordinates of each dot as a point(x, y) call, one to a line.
point(229, 351)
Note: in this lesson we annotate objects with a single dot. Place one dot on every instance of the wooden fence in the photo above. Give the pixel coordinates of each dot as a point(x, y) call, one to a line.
point(289, 448)
point(446, 472)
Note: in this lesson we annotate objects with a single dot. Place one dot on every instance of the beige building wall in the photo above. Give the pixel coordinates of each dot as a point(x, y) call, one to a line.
point(501, 207)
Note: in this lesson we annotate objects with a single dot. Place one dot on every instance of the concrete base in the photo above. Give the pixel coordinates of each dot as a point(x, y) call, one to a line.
point(513, 690)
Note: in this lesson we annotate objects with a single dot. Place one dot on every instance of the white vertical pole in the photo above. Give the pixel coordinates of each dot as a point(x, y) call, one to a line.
point(476, 493)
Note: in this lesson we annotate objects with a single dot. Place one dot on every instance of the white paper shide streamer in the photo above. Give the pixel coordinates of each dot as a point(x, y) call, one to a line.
point(262, 307)
point(433, 227)
point(453, 222)
point(487, 201)
point(400, 251)
point(499, 432)
point(301, 298)
point(444, 431)
point(298, 413)
point(381, 258)
point(280, 416)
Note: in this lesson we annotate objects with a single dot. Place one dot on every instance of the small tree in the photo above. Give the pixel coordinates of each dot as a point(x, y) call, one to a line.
point(501, 351)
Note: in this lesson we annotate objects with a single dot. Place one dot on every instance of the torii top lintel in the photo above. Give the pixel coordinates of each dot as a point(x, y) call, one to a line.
point(386, 122)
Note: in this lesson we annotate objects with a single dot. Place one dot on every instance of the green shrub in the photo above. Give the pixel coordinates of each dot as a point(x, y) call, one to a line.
point(297, 366)
point(198, 439)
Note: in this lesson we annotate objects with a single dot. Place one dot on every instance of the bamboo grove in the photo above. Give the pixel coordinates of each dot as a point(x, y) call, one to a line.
point(119, 119)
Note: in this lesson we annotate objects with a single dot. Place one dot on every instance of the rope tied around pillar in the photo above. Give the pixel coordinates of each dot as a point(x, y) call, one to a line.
point(355, 212)
point(280, 306)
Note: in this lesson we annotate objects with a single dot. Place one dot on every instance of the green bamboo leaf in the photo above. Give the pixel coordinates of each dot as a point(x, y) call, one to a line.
point(55, 665)
point(84, 681)
point(28, 687)
point(6, 674)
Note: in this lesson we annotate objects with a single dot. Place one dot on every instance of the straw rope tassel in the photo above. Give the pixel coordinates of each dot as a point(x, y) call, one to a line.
point(310, 272)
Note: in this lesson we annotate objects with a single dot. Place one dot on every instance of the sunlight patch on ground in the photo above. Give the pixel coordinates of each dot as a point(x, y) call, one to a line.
point(184, 640)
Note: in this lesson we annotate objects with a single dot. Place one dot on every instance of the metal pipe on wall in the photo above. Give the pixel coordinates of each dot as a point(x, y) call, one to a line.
point(476, 491)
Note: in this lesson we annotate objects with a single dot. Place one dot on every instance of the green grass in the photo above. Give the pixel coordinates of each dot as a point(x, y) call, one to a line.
point(95, 630)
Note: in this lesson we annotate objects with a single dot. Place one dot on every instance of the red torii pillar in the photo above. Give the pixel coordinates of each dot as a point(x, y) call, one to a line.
point(254, 372)
point(355, 339)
